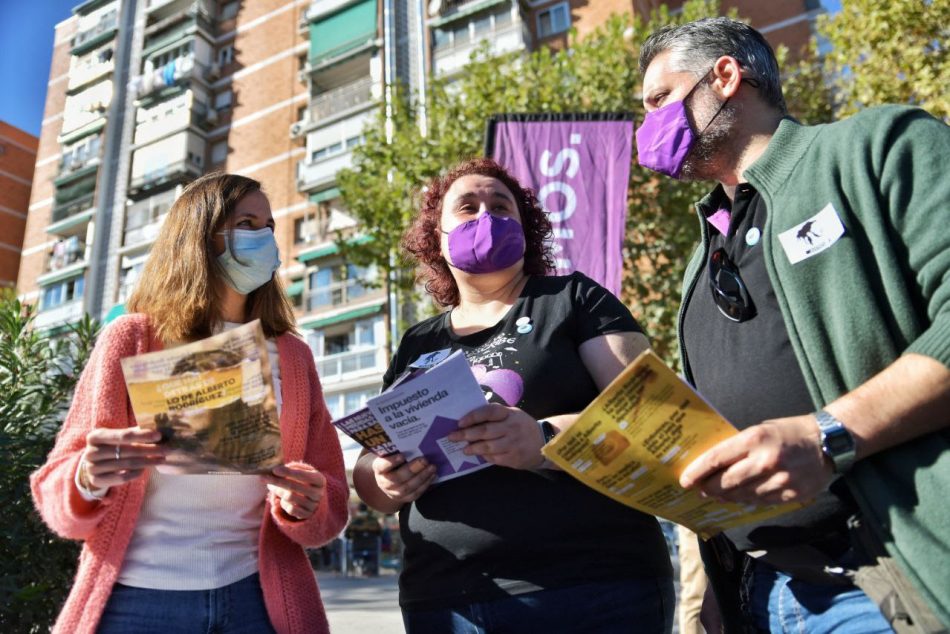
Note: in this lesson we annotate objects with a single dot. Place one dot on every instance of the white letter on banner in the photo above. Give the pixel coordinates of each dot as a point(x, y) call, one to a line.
point(570, 201)
point(568, 155)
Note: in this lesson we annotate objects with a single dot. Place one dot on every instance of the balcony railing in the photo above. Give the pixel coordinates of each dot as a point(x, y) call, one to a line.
point(75, 164)
point(61, 211)
point(460, 8)
point(336, 367)
point(144, 234)
point(336, 294)
point(108, 23)
point(164, 174)
point(340, 99)
point(493, 36)
point(65, 313)
point(312, 174)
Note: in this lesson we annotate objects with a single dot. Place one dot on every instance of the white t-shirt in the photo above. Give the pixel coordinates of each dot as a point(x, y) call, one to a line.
point(198, 532)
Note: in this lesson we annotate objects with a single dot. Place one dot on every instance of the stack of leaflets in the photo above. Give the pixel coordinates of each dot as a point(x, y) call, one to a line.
point(416, 414)
point(635, 439)
point(213, 402)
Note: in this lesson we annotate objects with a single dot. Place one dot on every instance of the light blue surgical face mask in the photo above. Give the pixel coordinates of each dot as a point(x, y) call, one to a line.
point(256, 259)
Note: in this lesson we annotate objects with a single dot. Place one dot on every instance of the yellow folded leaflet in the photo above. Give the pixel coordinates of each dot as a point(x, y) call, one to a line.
point(636, 438)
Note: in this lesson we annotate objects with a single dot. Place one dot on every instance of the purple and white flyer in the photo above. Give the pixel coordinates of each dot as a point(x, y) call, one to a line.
point(419, 414)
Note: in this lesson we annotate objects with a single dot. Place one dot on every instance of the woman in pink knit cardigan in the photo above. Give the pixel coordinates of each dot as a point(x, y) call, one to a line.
point(186, 553)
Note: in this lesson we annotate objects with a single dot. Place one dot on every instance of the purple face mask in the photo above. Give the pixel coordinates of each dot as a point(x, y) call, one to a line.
point(486, 244)
point(665, 138)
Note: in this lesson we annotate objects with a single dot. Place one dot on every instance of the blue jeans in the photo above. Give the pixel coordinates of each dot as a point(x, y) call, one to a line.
point(234, 609)
point(644, 606)
point(781, 604)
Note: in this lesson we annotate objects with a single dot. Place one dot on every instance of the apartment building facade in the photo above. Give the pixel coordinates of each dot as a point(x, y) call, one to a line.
point(145, 95)
point(17, 163)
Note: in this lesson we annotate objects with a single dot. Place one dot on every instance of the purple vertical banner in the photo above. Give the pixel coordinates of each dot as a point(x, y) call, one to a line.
point(579, 166)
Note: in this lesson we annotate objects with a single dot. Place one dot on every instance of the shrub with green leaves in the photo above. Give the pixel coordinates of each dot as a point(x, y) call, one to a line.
point(37, 375)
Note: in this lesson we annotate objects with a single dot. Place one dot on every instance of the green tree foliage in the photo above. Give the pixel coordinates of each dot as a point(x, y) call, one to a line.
point(889, 52)
point(596, 74)
point(37, 376)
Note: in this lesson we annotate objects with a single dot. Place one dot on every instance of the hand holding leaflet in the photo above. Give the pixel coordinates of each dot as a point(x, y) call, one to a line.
point(212, 401)
point(418, 415)
point(636, 438)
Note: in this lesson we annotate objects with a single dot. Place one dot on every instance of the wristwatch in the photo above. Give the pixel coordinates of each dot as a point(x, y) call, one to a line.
point(548, 430)
point(836, 441)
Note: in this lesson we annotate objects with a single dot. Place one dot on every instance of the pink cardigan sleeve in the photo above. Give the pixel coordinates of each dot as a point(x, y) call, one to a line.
point(324, 454)
point(100, 400)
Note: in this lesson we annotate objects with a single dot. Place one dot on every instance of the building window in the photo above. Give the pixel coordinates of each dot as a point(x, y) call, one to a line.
point(229, 10)
point(162, 59)
point(366, 333)
point(336, 148)
point(223, 100)
point(460, 35)
point(482, 26)
point(226, 55)
point(63, 292)
point(143, 218)
point(554, 20)
point(441, 38)
point(337, 285)
point(305, 229)
point(219, 152)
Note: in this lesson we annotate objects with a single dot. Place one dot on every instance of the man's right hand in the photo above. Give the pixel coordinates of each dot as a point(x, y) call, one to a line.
point(403, 481)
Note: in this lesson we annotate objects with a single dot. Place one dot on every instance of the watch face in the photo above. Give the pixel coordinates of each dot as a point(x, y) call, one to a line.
point(837, 442)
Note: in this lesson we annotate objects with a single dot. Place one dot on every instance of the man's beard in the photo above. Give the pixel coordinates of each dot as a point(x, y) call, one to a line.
point(712, 146)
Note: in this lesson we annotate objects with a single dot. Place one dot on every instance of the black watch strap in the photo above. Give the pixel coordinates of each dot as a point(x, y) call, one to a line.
point(548, 430)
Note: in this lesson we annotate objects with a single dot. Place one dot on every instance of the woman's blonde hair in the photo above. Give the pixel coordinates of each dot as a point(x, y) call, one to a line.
point(181, 283)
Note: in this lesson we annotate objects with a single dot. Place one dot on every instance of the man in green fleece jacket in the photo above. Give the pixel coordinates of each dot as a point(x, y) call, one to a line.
point(815, 317)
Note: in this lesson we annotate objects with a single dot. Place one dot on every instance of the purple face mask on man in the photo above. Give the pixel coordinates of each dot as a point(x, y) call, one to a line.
point(486, 244)
point(665, 138)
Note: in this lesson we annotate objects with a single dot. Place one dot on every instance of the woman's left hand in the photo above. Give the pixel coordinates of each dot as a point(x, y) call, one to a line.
point(298, 489)
point(504, 436)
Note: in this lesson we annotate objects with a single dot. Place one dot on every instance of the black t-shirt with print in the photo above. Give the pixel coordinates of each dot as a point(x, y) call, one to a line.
point(502, 531)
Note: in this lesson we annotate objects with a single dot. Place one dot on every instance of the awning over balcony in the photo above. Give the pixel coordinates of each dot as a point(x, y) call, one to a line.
point(465, 10)
point(326, 194)
point(116, 311)
point(323, 250)
point(356, 313)
point(77, 189)
point(295, 289)
point(345, 30)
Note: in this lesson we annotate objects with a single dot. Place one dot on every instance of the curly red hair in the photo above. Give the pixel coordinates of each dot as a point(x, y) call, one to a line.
point(423, 238)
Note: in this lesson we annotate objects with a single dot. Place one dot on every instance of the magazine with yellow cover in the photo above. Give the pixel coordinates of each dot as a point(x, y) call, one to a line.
point(636, 438)
point(212, 400)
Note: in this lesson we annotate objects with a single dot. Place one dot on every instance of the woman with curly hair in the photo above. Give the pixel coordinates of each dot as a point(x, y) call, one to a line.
point(196, 553)
point(519, 546)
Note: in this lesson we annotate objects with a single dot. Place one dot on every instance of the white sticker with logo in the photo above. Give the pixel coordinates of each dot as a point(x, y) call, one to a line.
point(812, 236)
point(429, 359)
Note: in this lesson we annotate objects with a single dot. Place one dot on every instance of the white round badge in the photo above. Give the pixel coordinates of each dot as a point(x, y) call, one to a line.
point(522, 321)
point(753, 236)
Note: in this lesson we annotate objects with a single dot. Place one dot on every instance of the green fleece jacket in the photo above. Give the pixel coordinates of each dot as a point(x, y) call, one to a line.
point(880, 291)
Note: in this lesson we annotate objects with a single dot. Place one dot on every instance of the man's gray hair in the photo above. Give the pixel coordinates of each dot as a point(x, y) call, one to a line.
point(696, 46)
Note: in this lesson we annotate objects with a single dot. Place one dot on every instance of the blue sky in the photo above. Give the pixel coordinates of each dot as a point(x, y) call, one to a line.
point(26, 47)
